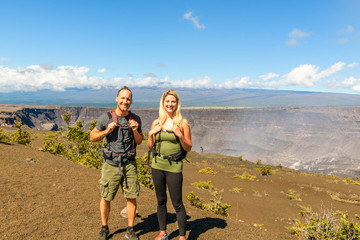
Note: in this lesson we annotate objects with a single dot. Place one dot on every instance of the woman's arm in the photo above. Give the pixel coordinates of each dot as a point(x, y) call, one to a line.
point(155, 128)
point(184, 135)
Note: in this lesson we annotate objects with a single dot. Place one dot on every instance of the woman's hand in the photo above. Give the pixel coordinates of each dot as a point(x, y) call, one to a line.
point(177, 131)
point(155, 128)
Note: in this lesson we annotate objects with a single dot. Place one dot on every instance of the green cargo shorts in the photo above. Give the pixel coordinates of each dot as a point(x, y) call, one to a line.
point(111, 180)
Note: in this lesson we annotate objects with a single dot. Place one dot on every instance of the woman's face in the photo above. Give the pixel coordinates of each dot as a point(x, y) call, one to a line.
point(170, 104)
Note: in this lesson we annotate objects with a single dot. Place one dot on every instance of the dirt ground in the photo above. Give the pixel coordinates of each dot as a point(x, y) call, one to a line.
point(43, 196)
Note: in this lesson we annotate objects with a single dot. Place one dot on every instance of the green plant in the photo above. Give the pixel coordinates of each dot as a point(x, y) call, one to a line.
point(258, 162)
point(293, 195)
point(4, 136)
point(66, 117)
point(351, 181)
point(204, 185)
point(215, 205)
point(53, 143)
point(245, 176)
point(265, 170)
point(20, 136)
point(236, 190)
point(325, 225)
point(240, 158)
point(144, 172)
point(74, 144)
point(207, 170)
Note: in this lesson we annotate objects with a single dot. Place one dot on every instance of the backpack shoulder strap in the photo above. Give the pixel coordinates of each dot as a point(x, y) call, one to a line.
point(112, 114)
point(132, 115)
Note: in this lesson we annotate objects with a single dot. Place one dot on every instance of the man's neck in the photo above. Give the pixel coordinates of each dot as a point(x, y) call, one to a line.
point(121, 113)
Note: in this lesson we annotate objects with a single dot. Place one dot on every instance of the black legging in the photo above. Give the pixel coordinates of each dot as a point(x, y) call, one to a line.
point(174, 182)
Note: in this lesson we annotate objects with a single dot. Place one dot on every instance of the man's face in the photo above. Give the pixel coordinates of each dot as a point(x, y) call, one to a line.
point(124, 100)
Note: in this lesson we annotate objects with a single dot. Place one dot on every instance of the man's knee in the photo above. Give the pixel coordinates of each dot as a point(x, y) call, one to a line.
point(131, 201)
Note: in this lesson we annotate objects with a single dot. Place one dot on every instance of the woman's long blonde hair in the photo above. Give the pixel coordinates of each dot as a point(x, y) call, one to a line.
point(162, 113)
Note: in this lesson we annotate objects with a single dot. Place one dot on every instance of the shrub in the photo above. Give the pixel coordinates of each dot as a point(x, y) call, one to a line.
point(204, 185)
point(258, 162)
point(265, 170)
point(53, 143)
point(20, 136)
point(293, 195)
point(245, 176)
point(215, 205)
point(207, 170)
point(351, 181)
point(4, 136)
point(144, 172)
point(74, 144)
point(325, 225)
point(236, 190)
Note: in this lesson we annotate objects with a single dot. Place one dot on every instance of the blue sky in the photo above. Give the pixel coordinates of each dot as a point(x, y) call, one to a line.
point(286, 45)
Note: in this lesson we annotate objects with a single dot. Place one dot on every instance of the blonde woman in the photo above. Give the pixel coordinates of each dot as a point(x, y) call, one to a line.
point(170, 140)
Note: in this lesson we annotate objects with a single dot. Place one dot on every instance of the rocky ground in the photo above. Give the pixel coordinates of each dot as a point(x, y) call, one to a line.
point(43, 196)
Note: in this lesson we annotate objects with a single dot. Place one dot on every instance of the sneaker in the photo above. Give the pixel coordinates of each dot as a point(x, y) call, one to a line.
point(130, 234)
point(104, 232)
point(162, 237)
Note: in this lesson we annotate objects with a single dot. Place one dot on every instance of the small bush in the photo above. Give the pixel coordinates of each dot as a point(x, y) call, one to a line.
point(204, 185)
point(245, 176)
point(207, 170)
point(265, 170)
point(144, 172)
point(20, 136)
point(351, 181)
point(215, 205)
point(325, 225)
point(236, 190)
point(293, 195)
point(258, 162)
point(4, 136)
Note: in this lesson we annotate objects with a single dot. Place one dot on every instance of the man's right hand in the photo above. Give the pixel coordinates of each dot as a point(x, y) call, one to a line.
point(110, 128)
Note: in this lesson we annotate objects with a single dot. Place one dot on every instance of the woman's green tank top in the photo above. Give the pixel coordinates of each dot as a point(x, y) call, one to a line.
point(168, 144)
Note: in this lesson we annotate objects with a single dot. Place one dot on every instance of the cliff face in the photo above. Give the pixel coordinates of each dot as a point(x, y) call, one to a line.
point(315, 139)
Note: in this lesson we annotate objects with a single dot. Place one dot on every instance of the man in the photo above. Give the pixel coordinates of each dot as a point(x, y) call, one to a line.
point(122, 130)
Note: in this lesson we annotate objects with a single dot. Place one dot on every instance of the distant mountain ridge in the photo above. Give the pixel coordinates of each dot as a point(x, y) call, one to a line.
point(313, 139)
point(150, 97)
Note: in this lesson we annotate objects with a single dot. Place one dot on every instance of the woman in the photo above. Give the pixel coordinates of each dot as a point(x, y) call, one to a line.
point(170, 140)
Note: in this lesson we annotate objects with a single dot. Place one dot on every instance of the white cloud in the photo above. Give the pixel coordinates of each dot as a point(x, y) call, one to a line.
point(267, 77)
point(349, 82)
point(46, 76)
point(189, 16)
point(36, 77)
point(351, 65)
point(294, 37)
point(307, 75)
point(101, 70)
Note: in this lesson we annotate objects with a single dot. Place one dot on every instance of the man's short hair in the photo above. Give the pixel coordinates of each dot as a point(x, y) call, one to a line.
point(125, 88)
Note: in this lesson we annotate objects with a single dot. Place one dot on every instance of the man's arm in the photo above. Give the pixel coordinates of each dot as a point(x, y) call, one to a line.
point(138, 136)
point(97, 135)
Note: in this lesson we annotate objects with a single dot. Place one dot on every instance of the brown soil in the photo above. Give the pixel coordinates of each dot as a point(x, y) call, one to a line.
point(44, 196)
